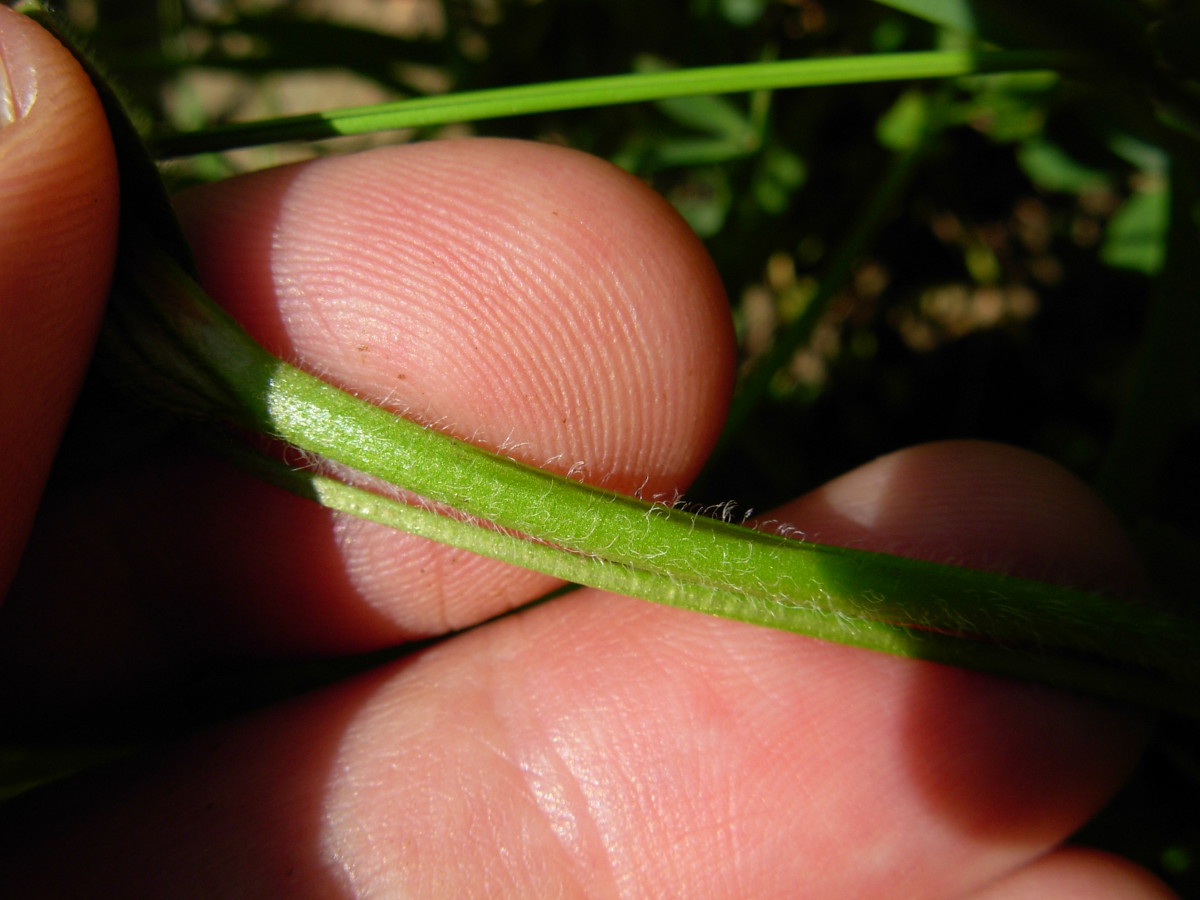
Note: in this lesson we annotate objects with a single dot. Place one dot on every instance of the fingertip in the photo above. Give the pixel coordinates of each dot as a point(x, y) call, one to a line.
point(1000, 758)
point(58, 206)
point(602, 741)
point(980, 504)
point(1078, 873)
point(529, 298)
point(526, 297)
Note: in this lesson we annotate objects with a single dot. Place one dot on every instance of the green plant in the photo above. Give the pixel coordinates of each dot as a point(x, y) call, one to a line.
point(719, 150)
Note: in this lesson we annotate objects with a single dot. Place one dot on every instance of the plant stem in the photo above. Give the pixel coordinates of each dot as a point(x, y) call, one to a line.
point(606, 91)
point(198, 358)
point(1058, 670)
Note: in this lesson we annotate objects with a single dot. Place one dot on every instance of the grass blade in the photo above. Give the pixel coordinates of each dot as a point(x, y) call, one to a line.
point(886, 602)
point(606, 91)
point(1059, 670)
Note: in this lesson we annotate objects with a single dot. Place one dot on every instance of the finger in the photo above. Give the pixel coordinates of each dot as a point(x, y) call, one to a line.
point(517, 295)
point(58, 225)
point(602, 746)
point(979, 504)
point(1075, 873)
point(529, 298)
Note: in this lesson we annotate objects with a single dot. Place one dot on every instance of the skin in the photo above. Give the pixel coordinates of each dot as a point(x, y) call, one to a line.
point(595, 746)
point(57, 258)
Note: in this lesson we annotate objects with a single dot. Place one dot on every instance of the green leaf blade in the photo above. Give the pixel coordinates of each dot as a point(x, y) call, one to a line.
point(608, 91)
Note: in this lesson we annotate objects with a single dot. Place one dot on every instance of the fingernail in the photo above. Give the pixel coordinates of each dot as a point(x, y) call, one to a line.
point(18, 80)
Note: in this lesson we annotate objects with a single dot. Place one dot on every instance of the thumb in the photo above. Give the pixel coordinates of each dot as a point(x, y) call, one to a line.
point(58, 227)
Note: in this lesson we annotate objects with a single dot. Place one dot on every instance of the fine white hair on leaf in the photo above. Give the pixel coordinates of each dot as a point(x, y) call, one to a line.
point(671, 498)
point(386, 400)
point(784, 529)
point(640, 492)
point(509, 445)
point(726, 511)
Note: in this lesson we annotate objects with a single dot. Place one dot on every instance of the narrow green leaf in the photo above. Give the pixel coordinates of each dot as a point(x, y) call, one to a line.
point(888, 602)
point(608, 91)
point(1065, 671)
point(706, 113)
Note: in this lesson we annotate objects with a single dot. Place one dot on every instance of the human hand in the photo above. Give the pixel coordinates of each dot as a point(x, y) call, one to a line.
point(535, 299)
